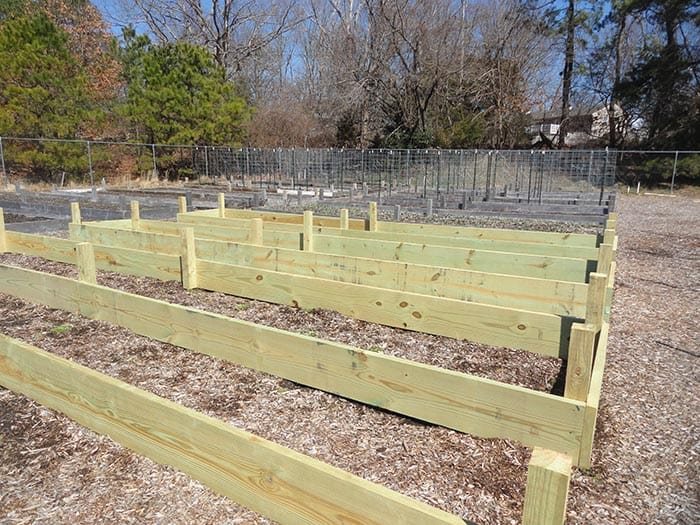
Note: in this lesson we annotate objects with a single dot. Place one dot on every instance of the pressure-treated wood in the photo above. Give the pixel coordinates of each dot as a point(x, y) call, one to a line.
point(308, 231)
point(256, 231)
point(579, 361)
point(595, 302)
point(593, 400)
point(85, 256)
point(548, 476)
point(344, 219)
point(452, 399)
point(135, 215)
point(222, 205)
point(275, 481)
point(75, 213)
point(373, 216)
point(605, 258)
point(535, 332)
point(182, 204)
point(287, 218)
point(3, 242)
point(540, 295)
point(189, 260)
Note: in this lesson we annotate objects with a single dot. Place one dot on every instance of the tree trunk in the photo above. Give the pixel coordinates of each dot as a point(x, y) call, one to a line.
point(568, 72)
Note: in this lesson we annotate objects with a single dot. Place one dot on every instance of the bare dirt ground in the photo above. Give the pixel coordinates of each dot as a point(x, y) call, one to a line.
point(53, 471)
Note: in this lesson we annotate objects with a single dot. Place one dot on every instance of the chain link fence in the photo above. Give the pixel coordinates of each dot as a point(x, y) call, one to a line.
point(483, 174)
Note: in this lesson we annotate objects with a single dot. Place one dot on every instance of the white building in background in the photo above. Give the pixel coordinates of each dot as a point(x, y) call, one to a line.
point(584, 127)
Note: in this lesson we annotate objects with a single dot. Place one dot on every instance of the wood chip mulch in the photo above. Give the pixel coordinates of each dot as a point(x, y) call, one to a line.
point(645, 461)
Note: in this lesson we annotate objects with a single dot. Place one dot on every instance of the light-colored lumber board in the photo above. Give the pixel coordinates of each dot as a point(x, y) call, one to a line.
point(595, 301)
point(85, 257)
point(593, 399)
point(222, 205)
point(605, 257)
point(526, 265)
point(609, 289)
point(373, 216)
point(111, 258)
point(189, 260)
point(466, 403)
point(608, 236)
point(540, 295)
point(308, 231)
point(548, 476)
point(135, 215)
point(75, 213)
point(292, 218)
point(256, 232)
point(344, 219)
point(495, 325)
point(275, 481)
point(182, 204)
point(567, 239)
point(579, 366)
point(3, 238)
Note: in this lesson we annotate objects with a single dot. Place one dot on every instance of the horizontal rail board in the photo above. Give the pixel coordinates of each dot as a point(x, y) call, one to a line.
point(455, 400)
point(570, 239)
point(293, 218)
point(115, 259)
point(275, 481)
point(580, 252)
point(539, 295)
point(494, 325)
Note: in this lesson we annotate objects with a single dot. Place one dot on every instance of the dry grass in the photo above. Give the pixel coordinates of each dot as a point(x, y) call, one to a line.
point(54, 471)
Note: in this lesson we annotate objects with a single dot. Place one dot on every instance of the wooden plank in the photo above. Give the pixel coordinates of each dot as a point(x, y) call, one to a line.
point(275, 481)
point(595, 302)
point(609, 289)
point(135, 215)
point(3, 237)
point(188, 260)
point(75, 213)
point(565, 239)
point(548, 476)
point(549, 296)
point(373, 216)
point(608, 236)
point(182, 204)
point(526, 265)
point(292, 218)
point(85, 257)
point(604, 259)
point(308, 231)
point(532, 331)
point(52, 248)
point(593, 399)
point(344, 219)
point(256, 231)
point(466, 403)
point(579, 366)
point(222, 205)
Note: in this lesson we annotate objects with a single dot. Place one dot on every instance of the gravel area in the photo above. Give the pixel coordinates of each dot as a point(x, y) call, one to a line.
point(645, 458)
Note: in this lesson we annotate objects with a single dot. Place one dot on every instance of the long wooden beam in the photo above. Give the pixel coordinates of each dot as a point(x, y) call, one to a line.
point(538, 295)
point(535, 248)
point(275, 481)
point(452, 399)
point(520, 264)
point(548, 477)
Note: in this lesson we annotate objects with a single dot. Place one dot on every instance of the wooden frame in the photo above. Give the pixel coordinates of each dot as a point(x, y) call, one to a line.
point(563, 426)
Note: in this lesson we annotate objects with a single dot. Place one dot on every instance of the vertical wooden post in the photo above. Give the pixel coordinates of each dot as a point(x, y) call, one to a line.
point(548, 475)
point(608, 235)
point(182, 204)
point(188, 259)
point(344, 219)
point(75, 213)
point(595, 299)
point(222, 205)
point(86, 262)
point(605, 257)
point(308, 231)
point(579, 365)
point(3, 240)
point(373, 216)
point(256, 231)
point(609, 291)
point(135, 215)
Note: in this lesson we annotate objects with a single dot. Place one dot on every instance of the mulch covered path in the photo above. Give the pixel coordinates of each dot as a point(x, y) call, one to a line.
point(645, 461)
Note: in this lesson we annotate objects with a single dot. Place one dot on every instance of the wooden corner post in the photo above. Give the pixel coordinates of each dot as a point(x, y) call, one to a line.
point(344, 219)
point(373, 216)
point(548, 476)
point(605, 257)
point(596, 299)
point(135, 215)
point(85, 258)
point(188, 259)
point(182, 204)
point(308, 231)
point(3, 240)
point(222, 205)
point(256, 231)
point(75, 213)
point(579, 366)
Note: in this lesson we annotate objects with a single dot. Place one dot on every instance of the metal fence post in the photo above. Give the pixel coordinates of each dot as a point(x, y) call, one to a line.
point(89, 154)
point(673, 177)
point(5, 179)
